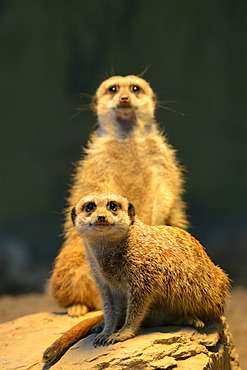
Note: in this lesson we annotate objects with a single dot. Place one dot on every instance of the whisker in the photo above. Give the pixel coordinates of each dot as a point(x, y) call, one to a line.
point(144, 71)
point(171, 110)
point(104, 76)
point(58, 212)
point(82, 94)
point(80, 109)
point(112, 73)
point(74, 115)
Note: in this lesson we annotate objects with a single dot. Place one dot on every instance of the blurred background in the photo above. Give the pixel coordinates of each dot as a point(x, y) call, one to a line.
point(51, 51)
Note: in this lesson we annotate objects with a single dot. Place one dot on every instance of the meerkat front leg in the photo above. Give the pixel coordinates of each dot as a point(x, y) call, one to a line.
point(137, 309)
point(112, 315)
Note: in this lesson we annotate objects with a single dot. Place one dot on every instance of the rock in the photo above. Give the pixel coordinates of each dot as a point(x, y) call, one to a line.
point(24, 340)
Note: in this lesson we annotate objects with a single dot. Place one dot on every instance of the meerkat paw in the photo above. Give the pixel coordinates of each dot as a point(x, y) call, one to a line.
point(101, 339)
point(194, 321)
point(121, 336)
point(99, 327)
point(77, 310)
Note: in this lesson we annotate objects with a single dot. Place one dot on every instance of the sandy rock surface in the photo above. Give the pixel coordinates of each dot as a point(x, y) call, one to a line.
point(24, 340)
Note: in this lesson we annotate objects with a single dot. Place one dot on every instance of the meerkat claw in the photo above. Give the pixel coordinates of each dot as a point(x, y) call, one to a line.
point(101, 340)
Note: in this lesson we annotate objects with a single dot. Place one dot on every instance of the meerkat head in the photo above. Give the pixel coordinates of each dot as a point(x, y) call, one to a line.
point(124, 102)
point(103, 215)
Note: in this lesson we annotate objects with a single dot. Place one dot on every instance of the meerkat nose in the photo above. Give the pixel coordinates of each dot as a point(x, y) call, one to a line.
point(101, 218)
point(124, 98)
point(124, 101)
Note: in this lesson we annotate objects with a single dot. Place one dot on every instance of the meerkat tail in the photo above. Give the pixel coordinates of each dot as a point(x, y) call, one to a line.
point(55, 351)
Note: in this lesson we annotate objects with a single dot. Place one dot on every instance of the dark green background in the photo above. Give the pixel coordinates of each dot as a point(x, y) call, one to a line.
point(50, 51)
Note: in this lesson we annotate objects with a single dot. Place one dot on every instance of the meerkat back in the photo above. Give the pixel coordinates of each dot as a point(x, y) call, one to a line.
point(126, 155)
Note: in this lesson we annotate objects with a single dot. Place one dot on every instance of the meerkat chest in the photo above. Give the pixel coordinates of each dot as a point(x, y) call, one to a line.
point(122, 151)
point(112, 268)
point(130, 163)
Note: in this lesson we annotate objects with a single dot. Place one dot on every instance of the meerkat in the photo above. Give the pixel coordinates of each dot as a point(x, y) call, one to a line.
point(150, 275)
point(127, 154)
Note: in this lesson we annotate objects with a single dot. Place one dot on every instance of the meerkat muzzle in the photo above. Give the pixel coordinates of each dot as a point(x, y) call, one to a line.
point(101, 221)
point(124, 104)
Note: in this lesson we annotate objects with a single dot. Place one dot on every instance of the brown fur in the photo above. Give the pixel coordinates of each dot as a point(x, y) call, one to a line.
point(127, 155)
point(153, 275)
point(156, 274)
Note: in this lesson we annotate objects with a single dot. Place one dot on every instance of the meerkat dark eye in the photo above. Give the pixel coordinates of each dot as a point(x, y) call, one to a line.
point(135, 88)
point(89, 207)
point(113, 206)
point(113, 89)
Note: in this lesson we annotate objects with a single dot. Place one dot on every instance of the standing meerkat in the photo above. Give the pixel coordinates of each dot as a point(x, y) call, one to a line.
point(128, 155)
point(151, 275)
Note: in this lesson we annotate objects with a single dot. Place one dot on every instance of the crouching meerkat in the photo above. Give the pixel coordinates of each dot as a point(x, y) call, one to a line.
point(150, 275)
point(128, 155)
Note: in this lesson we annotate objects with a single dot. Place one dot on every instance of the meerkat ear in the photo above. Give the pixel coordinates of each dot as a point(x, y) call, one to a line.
point(131, 212)
point(93, 104)
point(73, 215)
